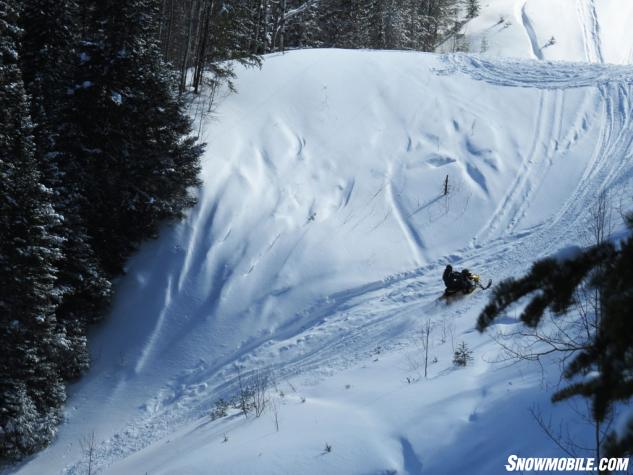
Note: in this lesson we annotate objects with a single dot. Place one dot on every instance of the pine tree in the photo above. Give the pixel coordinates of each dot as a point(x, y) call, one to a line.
point(229, 37)
point(472, 8)
point(136, 148)
point(301, 25)
point(31, 390)
point(372, 21)
point(462, 355)
point(608, 354)
point(48, 52)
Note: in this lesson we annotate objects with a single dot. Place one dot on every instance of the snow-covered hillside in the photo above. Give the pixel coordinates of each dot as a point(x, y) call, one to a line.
point(316, 252)
point(595, 31)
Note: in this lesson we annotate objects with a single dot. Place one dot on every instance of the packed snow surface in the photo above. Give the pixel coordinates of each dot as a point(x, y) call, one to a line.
point(595, 31)
point(315, 254)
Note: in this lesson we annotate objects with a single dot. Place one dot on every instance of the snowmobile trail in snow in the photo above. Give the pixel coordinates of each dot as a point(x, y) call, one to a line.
point(531, 34)
point(412, 235)
point(542, 158)
point(519, 186)
point(590, 28)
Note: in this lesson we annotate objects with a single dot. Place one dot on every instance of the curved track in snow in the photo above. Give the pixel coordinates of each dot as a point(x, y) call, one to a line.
point(590, 28)
point(529, 30)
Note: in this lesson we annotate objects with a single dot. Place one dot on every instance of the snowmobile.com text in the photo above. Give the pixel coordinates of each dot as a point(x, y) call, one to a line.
point(565, 464)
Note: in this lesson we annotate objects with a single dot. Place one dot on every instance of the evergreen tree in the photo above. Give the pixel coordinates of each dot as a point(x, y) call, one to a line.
point(108, 157)
point(48, 51)
point(31, 390)
point(301, 25)
point(472, 8)
point(227, 37)
point(372, 22)
point(136, 146)
point(462, 355)
point(336, 20)
point(608, 354)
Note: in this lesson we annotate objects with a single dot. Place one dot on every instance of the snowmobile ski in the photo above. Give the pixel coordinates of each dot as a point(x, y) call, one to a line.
point(486, 287)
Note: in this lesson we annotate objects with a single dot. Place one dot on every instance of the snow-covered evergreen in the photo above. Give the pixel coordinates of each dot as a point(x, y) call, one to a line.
point(82, 185)
point(31, 389)
point(143, 172)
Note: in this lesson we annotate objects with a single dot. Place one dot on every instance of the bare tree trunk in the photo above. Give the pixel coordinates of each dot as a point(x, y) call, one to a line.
point(243, 397)
point(278, 25)
point(170, 29)
point(282, 26)
point(88, 446)
point(266, 22)
point(259, 387)
point(202, 48)
point(426, 333)
point(185, 59)
point(161, 20)
point(276, 7)
point(258, 24)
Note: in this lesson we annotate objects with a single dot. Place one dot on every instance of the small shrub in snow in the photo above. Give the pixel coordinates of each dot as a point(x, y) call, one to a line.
point(220, 409)
point(328, 448)
point(259, 384)
point(88, 446)
point(242, 401)
point(463, 355)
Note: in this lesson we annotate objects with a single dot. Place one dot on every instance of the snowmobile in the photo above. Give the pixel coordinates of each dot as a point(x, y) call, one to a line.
point(451, 294)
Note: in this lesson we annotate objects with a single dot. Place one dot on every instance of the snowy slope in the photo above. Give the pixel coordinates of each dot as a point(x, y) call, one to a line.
point(595, 31)
point(316, 252)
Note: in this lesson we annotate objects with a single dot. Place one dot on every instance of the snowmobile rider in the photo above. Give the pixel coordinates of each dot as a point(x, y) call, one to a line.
point(458, 281)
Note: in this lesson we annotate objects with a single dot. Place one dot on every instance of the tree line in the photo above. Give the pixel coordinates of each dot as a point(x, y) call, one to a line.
point(198, 35)
point(95, 152)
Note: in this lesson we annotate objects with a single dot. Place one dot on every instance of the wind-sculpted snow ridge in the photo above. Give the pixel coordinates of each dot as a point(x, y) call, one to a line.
point(315, 254)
